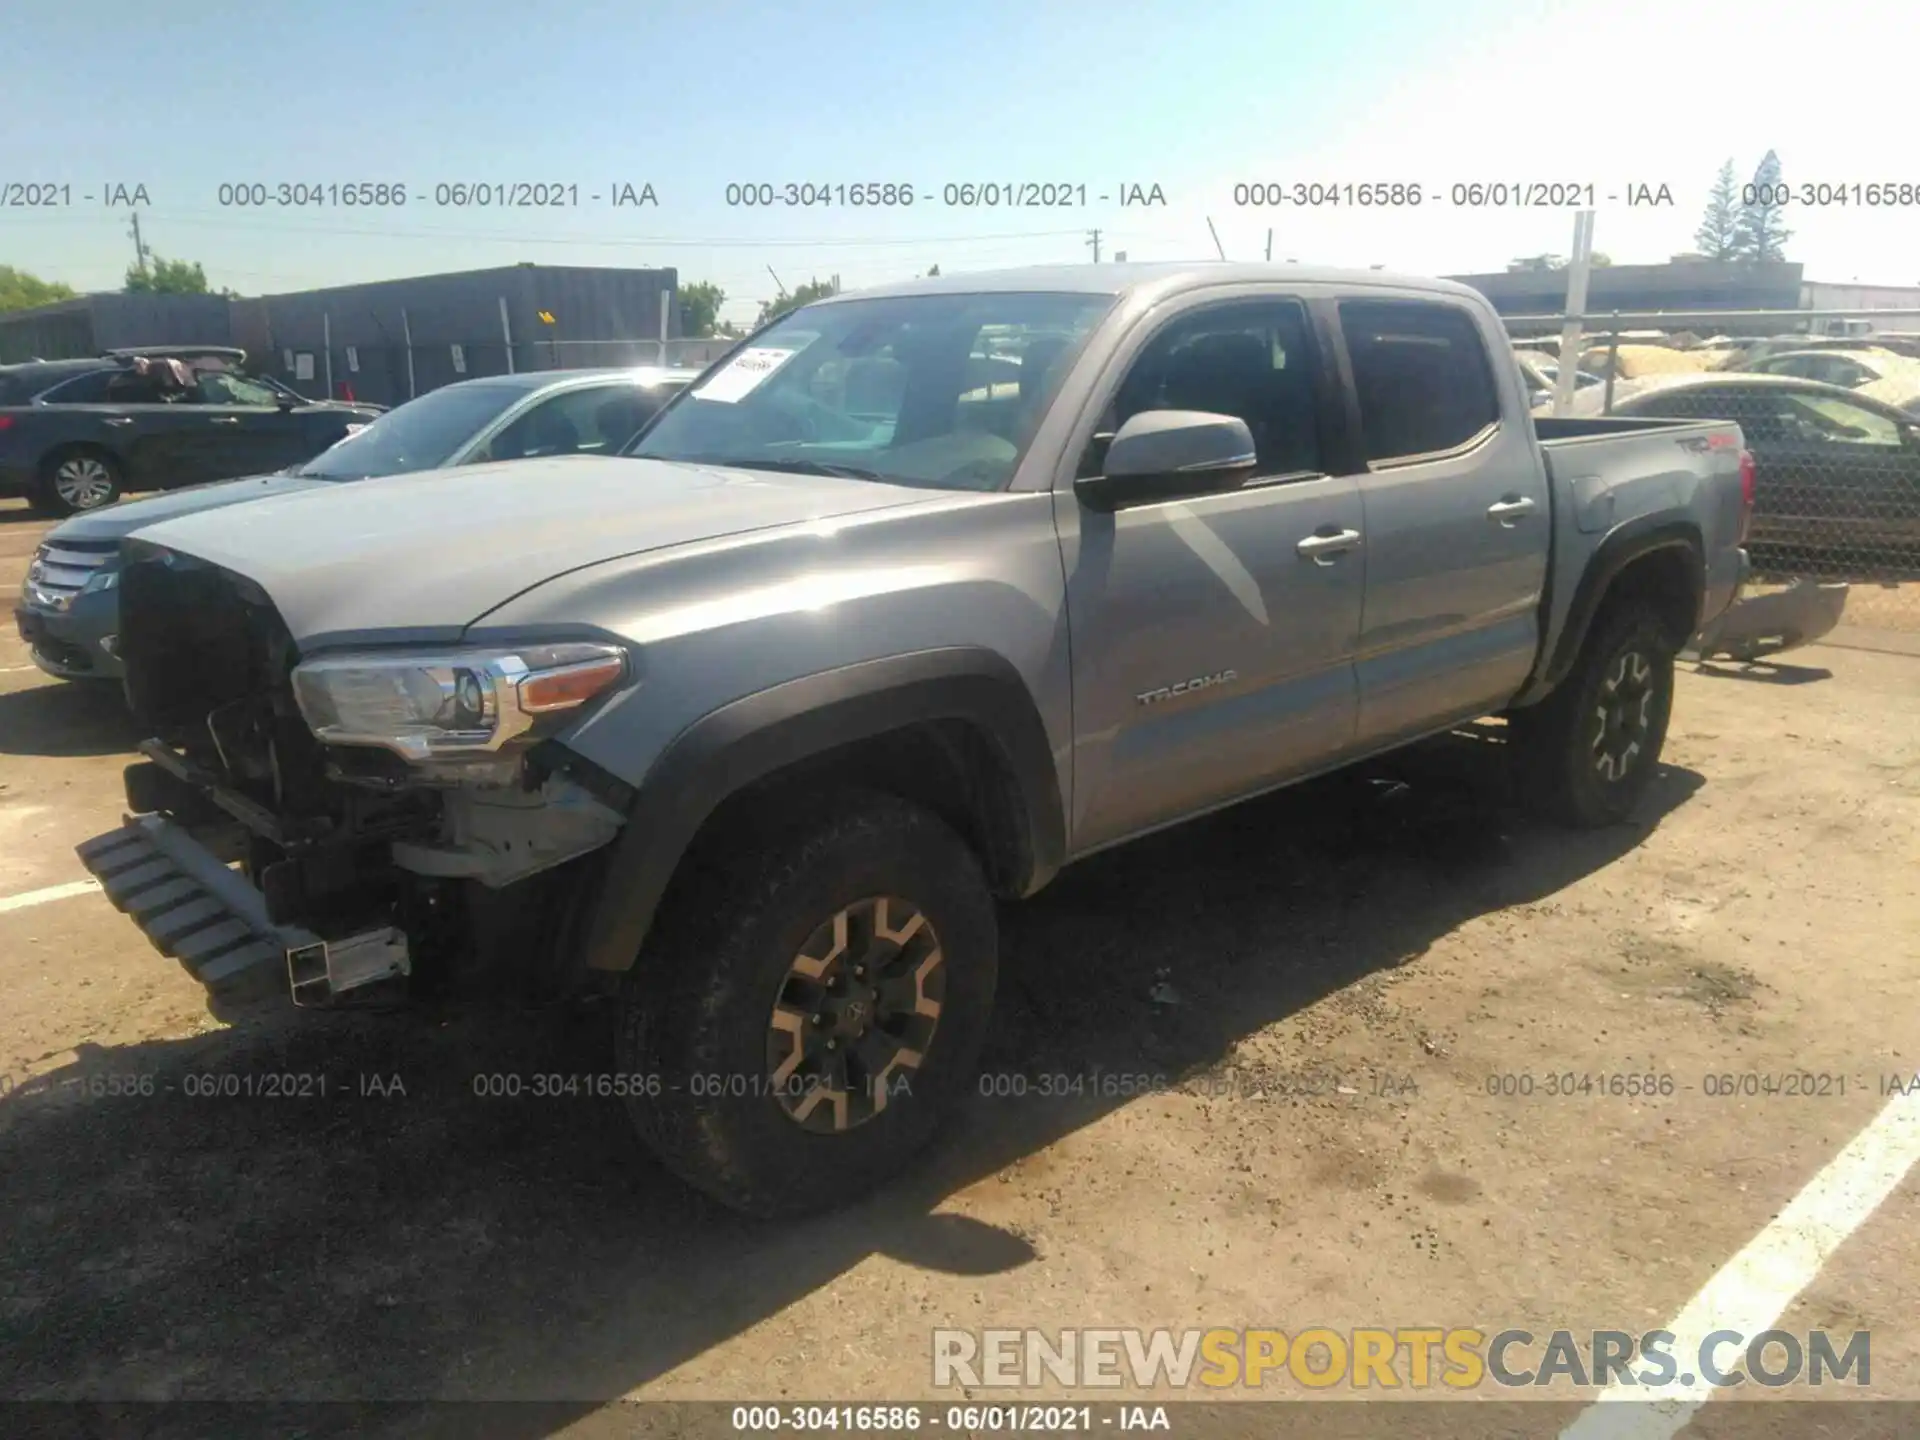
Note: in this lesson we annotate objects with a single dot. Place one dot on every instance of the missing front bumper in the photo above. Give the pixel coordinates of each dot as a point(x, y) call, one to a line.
point(193, 907)
point(322, 972)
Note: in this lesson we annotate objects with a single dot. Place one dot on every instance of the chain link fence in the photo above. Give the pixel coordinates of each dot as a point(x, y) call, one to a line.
point(1836, 465)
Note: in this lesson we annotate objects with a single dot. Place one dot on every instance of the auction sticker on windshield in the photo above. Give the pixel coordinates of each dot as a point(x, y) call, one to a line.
point(748, 370)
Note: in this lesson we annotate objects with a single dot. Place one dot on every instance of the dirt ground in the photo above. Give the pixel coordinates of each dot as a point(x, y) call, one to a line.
point(1329, 982)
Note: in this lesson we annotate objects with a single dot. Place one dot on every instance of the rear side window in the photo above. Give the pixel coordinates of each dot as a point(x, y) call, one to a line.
point(90, 389)
point(1420, 372)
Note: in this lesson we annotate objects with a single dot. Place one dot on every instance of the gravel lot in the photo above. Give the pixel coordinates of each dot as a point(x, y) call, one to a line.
point(1326, 979)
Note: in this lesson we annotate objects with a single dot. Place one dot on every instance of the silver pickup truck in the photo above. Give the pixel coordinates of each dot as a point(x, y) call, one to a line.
point(914, 598)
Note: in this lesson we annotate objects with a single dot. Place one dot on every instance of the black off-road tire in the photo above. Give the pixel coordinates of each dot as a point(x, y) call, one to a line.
point(1578, 761)
point(698, 1009)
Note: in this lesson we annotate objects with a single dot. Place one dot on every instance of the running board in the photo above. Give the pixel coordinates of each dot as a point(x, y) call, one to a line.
point(190, 905)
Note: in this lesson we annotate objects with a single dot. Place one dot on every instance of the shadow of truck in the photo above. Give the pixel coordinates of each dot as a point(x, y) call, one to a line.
point(415, 1242)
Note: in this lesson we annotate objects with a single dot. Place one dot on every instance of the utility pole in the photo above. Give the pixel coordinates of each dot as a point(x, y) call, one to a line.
point(140, 251)
point(1093, 240)
point(1269, 244)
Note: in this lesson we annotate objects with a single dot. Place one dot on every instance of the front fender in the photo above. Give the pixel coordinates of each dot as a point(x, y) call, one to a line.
point(755, 737)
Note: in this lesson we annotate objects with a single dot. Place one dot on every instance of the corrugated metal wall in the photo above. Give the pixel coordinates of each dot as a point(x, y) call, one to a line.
point(444, 311)
point(123, 320)
point(62, 331)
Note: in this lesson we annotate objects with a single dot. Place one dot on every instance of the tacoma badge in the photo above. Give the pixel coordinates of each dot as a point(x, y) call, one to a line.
point(1187, 687)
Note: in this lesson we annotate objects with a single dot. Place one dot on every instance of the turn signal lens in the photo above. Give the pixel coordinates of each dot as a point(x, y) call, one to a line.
point(570, 686)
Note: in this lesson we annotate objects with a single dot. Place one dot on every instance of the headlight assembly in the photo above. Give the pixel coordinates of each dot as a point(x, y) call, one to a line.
point(426, 705)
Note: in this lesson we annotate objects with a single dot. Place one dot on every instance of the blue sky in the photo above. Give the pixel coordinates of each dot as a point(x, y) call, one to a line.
point(689, 98)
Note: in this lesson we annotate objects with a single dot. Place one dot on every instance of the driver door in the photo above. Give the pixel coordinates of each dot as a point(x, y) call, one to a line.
point(1213, 638)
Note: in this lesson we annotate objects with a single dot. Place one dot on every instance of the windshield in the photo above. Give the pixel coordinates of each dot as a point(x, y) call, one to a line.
point(939, 390)
point(418, 435)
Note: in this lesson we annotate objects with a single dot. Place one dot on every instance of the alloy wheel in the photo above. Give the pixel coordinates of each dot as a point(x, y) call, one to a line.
point(1623, 716)
point(856, 1014)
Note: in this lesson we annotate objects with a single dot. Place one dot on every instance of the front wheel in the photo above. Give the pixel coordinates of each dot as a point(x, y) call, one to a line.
point(808, 1019)
point(1589, 751)
point(73, 481)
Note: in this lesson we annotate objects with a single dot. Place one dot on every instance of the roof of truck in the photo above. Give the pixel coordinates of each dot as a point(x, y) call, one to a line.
point(1104, 279)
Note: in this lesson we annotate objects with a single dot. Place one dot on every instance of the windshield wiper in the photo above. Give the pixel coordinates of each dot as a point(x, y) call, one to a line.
point(795, 467)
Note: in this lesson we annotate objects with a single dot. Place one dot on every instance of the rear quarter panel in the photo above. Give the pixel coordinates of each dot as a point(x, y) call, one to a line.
point(1632, 473)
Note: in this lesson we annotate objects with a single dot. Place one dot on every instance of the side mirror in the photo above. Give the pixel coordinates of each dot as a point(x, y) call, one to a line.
point(1168, 454)
point(284, 401)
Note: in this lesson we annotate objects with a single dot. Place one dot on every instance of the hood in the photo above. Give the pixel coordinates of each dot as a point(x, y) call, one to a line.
point(113, 521)
point(417, 558)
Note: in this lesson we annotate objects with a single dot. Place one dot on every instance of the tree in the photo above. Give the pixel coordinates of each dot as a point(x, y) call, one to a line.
point(808, 293)
point(1760, 233)
point(167, 277)
point(931, 273)
point(21, 291)
point(1717, 237)
point(700, 305)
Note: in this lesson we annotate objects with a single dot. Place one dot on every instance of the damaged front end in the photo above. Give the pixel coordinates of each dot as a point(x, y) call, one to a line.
point(352, 823)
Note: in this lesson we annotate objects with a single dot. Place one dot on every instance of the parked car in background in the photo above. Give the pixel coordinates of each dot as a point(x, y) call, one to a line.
point(1637, 360)
point(1851, 369)
point(76, 435)
point(69, 606)
point(1541, 375)
point(1836, 472)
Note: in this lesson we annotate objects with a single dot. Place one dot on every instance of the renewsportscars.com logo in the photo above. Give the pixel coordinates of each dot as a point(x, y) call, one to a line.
point(1415, 1358)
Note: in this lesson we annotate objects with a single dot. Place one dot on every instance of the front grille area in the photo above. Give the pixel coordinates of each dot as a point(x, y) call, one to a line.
point(194, 639)
point(61, 567)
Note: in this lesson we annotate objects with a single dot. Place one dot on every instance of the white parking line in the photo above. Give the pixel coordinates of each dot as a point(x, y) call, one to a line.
point(52, 892)
point(1754, 1288)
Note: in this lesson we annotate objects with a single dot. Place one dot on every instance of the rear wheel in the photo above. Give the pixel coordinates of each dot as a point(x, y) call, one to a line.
point(1589, 751)
point(76, 480)
point(812, 1010)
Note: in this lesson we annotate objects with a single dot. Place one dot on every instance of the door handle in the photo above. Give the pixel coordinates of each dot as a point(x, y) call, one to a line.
point(226, 419)
point(1505, 512)
point(119, 420)
point(1323, 549)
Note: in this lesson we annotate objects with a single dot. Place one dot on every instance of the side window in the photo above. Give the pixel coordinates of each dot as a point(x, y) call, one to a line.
point(220, 387)
point(1421, 375)
point(1765, 417)
point(1839, 422)
point(597, 420)
point(1253, 360)
point(88, 389)
point(127, 388)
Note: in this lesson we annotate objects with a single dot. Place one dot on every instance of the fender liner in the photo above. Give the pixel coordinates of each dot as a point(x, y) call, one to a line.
point(1631, 541)
point(753, 737)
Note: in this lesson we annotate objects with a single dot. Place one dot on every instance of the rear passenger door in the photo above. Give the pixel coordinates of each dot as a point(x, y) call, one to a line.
point(1456, 517)
point(1212, 654)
